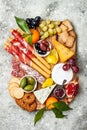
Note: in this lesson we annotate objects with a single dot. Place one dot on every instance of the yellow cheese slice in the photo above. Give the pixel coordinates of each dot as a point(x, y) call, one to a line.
point(64, 52)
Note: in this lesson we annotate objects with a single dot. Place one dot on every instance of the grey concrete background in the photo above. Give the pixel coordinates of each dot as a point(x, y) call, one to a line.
point(13, 118)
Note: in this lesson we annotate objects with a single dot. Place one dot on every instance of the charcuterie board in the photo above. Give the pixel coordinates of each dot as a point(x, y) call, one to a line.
point(44, 70)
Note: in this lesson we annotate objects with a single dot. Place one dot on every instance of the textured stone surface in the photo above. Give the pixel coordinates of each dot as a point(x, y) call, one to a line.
point(13, 118)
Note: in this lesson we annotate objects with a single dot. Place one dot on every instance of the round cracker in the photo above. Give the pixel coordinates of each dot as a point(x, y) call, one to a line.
point(15, 79)
point(12, 91)
point(18, 93)
point(13, 84)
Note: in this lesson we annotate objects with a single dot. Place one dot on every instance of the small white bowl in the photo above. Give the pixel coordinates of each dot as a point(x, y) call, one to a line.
point(35, 86)
point(43, 55)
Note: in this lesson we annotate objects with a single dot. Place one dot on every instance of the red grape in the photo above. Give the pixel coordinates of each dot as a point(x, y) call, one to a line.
point(72, 61)
point(75, 69)
point(66, 67)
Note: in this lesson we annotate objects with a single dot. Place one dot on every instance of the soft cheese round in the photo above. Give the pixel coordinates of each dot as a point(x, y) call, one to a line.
point(59, 75)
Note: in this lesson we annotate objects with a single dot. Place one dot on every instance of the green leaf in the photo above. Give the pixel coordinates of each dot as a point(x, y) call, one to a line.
point(30, 40)
point(25, 35)
point(62, 106)
point(22, 24)
point(58, 114)
point(39, 115)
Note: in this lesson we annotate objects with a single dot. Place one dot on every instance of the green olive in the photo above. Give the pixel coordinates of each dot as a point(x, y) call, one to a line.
point(23, 82)
point(31, 81)
point(29, 87)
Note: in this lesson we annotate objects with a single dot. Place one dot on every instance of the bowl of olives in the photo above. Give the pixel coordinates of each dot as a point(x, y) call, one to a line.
point(42, 48)
point(28, 83)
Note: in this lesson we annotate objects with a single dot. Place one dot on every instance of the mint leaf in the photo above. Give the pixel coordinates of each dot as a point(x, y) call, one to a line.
point(30, 40)
point(39, 115)
point(58, 114)
point(22, 24)
point(62, 106)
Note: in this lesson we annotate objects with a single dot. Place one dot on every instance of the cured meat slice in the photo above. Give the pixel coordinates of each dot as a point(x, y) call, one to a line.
point(19, 70)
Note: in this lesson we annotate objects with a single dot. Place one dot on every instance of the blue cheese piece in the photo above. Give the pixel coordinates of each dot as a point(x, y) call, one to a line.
point(43, 94)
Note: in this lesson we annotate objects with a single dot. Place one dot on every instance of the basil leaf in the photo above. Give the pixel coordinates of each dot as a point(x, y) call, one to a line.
point(25, 35)
point(58, 114)
point(62, 106)
point(22, 24)
point(39, 115)
point(30, 40)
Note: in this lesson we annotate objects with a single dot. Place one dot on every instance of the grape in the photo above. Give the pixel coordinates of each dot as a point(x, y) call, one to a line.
point(51, 25)
point(48, 21)
point(41, 33)
point(66, 67)
point(41, 25)
point(75, 69)
point(58, 29)
point(72, 61)
point(42, 37)
point(50, 31)
point(46, 34)
point(44, 28)
point(28, 21)
point(54, 31)
point(44, 23)
point(37, 18)
point(57, 22)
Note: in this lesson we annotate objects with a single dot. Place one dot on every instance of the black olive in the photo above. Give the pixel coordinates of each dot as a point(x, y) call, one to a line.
point(41, 52)
point(37, 46)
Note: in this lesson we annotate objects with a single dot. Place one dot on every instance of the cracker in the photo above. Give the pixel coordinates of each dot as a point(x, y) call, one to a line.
point(68, 24)
point(63, 27)
point(12, 91)
point(63, 36)
point(72, 33)
point(18, 93)
point(15, 79)
point(70, 41)
point(13, 84)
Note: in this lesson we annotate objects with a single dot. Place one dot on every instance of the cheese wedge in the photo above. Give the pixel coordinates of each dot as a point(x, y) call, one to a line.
point(43, 94)
point(64, 52)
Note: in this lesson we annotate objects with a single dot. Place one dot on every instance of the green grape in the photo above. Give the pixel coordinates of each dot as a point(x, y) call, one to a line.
point(41, 25)
point(42, 37)
point(57, 22)
point(54, 31)
point(51, 25)
point(41, 33)
point(58, 29)
point(46, 34)
point(50, 31)
point(43, 22)
point(48, 21)
point(45, 28)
